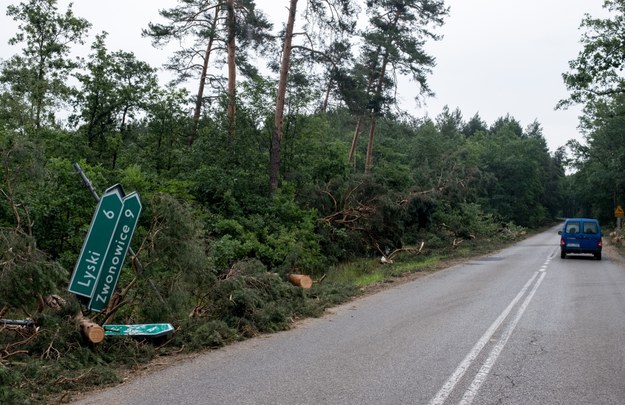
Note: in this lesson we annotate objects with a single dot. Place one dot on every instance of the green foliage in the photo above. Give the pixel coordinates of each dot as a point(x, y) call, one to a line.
point(55, 360)
point(37, 78)
point(10, 390)
point(595, 80)
point(597, 185)
point(160, 143)
point(115, 88)
point(176, 272)
point(516, 170)
point(595, 75)
point(25, 271)
point(282, 235)
point(248, 300)
point(467, 221)
point(207, 333)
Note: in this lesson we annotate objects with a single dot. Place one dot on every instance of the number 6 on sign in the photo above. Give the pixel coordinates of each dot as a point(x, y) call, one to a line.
point(97, 242)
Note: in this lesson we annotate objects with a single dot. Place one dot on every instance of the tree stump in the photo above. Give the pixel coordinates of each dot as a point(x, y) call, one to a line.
point(300, 280)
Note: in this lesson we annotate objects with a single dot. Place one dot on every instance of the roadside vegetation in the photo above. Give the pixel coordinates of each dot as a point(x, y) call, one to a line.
point(307, 166)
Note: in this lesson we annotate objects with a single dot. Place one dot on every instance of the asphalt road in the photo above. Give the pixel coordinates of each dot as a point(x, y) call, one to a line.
point(518, 327)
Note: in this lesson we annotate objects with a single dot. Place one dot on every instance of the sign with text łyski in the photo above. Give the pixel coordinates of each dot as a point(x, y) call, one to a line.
point(114, 258)
point(97, 242)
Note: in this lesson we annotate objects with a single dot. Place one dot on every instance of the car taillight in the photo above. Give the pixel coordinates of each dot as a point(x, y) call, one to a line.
point(562, 242)
point(600, 244)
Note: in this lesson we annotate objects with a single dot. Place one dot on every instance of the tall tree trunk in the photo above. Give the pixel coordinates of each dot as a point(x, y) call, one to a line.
point(326, 99)
point(352, 150)
point(369, 161)
point(232, 71)
point(378, 93)
point(39, 93)
point(276, 140)
point(200, 91)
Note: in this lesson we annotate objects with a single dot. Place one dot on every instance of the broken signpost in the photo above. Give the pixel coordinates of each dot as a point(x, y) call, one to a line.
point(97, 243)
point(114, 259)
point(108, 240)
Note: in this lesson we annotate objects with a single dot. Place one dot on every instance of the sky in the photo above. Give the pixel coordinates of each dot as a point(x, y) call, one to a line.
point(496, 57)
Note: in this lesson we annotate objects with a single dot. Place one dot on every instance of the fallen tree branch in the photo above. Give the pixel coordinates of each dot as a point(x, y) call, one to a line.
point(388, 258)
point(62, 380)
point(13, 349)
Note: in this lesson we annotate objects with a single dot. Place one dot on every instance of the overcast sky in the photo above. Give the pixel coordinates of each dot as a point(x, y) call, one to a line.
point(497, 57)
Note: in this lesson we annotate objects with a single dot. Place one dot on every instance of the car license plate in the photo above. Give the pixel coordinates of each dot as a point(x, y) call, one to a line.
point(572, 244)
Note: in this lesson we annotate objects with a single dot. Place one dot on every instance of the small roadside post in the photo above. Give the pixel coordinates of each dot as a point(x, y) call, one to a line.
point(619, 214)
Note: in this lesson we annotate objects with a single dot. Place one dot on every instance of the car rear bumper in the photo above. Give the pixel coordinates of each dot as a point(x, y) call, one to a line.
point(579, 250)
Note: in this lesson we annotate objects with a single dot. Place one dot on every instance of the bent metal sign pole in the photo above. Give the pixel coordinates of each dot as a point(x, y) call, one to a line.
point(114, 259)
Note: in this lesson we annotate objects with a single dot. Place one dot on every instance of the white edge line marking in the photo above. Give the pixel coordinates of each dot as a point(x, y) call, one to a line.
point(479, 379)
point(462, 368)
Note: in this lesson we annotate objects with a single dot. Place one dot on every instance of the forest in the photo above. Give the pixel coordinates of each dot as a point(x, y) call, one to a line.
point(291, 155)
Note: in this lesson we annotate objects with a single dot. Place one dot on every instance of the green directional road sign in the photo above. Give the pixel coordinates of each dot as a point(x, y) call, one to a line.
point(114, 258)
point(148, 330)
point(97, 242)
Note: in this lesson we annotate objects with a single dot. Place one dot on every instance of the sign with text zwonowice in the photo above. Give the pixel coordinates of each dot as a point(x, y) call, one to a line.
point(114, 258)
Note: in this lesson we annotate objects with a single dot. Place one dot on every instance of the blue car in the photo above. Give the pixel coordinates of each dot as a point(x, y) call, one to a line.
point(581, 235)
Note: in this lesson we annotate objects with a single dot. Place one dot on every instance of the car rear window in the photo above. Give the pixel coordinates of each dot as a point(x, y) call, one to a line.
point(572, 227)
point(590, 227)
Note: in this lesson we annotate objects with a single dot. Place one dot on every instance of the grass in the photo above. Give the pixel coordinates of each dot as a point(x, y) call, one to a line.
point(410, 265)
point(368, 279)
point(366, 272)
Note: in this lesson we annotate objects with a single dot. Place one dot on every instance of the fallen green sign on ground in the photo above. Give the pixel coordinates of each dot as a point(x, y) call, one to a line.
point(146, 330)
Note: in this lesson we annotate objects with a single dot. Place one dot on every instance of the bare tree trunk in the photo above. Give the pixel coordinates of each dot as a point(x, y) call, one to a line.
point(378, 92)
point(39, 94)
point(352, 150)
point(369, 161)
point(326, 100)
point(276, 140)
point(200, 91)
point(232, 71)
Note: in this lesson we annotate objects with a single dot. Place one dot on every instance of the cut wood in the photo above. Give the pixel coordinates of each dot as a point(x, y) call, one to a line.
point(300, 280)
point(93, 331)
